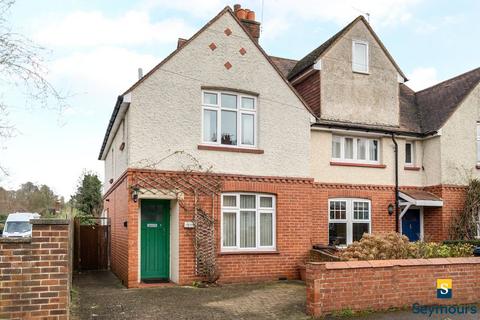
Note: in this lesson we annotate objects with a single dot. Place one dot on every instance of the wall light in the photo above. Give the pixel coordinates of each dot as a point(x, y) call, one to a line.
point(391, 209)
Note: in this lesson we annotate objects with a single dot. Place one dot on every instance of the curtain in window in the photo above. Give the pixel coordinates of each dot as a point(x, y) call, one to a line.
point(373, 150)
point(247, 129)
point(266, 226)
point(336, 148)
point(229, 229)
point(247, 229)
point(247, 202)
point(229, 201)
point(348, 148)
point(209, 125)
point(361, 149)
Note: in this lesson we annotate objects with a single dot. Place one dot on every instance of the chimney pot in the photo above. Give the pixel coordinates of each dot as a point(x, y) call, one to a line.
point(251, 15)
point(241, 14)
point(236, 7)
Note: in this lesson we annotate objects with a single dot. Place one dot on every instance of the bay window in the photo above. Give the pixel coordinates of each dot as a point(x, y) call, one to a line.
point(228, 119)
point(348, 220)
point(355, 149)
point(248, 222)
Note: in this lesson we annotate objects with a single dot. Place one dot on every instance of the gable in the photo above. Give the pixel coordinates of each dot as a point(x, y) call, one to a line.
point(320, 51)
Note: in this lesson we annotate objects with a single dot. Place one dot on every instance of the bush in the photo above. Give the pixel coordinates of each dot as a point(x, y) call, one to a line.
point(475, 243)
point(383, 246)
point(393, 245)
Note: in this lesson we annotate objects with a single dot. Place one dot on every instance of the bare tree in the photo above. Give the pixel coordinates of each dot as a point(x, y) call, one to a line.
point(22, 68)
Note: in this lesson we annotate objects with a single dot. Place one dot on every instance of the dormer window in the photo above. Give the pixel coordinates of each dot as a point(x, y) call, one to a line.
point(360, 56)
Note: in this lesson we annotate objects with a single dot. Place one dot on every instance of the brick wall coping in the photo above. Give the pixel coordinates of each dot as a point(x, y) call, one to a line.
point(393, 263)
point(50, 221)
point(15, 240)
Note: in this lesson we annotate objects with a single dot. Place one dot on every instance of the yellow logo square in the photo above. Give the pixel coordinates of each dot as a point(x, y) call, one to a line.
point(444, 283)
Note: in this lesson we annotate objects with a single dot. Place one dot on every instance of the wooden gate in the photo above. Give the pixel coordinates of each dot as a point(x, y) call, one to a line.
point(91, 244)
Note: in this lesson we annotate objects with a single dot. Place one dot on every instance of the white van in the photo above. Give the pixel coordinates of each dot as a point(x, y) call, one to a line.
point(18, 224)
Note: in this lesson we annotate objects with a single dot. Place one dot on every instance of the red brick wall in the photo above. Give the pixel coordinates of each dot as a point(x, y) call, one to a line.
point(302, 220)
point(35, 273)
point(309, 89)
point(116, 204)
point(383, 284)
point(437, 221)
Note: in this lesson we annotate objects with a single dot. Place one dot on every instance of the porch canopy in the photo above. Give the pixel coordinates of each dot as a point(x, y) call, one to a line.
point(418, 198)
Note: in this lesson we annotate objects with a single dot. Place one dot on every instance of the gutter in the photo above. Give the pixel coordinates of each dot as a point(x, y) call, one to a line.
point(106, 139)
point(354, 127)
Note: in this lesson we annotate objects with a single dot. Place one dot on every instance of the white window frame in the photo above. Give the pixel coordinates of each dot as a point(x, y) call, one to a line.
point(367, 56)
point(239, 110)
point(412, 156)
point(349, 217)
point(258, 210)
point(477, 128)
point(355, 155)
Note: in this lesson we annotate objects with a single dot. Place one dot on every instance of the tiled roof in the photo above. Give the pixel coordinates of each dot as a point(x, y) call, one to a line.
point(438, 103)
point(283, 64)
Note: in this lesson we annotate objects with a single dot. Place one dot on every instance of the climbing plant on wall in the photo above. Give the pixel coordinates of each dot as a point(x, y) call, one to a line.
point(465, 224)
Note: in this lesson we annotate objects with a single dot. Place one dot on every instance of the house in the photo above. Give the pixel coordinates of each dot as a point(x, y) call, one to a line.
point(226, 163)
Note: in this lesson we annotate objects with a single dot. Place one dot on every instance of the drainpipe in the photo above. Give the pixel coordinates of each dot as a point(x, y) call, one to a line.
point(396, 182)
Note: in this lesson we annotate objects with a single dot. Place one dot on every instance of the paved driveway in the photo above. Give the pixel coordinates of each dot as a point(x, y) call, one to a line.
point(99, 295)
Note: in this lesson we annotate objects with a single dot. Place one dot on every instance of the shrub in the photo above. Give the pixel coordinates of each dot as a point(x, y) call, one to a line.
point(383, 246)
point(393, 245)
point(475, 243)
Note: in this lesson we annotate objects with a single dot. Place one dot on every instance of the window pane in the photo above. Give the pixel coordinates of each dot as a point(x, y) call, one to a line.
point(478, 130)
point(210, 98)
point(266, 202)
point(348, 148)
point(360, 57)
point(229, 101)
point(373, 150)
point(229, 229)
point(338, 210)
point(408, 153)
point(247, 202)
point(248, 103)
point(266, 229)
point(336, 148)
point(248, 129)
point(229, 201)
point(478, 150)
point(247, 229)
point(361, 210)
point(358, 230)
point(209, 126)
point(337, 233)
point(361, 149)
point(229, 127)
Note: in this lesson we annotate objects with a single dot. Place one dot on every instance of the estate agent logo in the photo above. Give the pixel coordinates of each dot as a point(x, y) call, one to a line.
point(444, 288)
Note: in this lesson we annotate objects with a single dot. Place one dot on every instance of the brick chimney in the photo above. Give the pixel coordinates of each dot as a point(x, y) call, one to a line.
point(247, 18)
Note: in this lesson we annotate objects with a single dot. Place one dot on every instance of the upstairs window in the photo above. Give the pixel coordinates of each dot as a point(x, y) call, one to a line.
point(409, 153)
point(355, 149)
point(228, 119)
point(360, 56)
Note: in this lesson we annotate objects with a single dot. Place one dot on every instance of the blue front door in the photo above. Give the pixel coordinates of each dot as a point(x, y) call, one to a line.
point(411, 224)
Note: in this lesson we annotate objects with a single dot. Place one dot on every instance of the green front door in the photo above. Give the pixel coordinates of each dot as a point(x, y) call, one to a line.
point(155, 238)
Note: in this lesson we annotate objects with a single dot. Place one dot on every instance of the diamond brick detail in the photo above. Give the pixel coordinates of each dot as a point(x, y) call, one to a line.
point(242, 51)
point(212, 46)
point(227, 65)
point(228, 31)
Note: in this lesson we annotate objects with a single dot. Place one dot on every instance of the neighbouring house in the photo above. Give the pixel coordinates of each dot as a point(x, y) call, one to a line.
point(225, 162)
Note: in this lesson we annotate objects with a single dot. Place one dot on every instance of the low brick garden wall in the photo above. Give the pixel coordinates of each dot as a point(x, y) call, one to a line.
point(383, 284)
point(35, 273)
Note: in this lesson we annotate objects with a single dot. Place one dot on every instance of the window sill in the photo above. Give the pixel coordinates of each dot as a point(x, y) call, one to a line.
point(361, 72)
point(353, 164)
point(412, 168)
point(230, 149)
point(227, 253)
